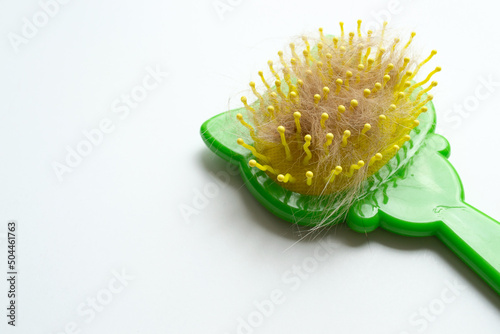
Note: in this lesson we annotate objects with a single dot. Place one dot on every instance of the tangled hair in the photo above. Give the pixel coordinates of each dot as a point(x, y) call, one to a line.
point(336, 113)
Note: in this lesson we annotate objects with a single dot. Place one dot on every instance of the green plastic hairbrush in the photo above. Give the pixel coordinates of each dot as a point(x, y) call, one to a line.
point(346, 133)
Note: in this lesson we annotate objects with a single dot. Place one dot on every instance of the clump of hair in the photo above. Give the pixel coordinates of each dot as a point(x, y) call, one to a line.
point(336, 111)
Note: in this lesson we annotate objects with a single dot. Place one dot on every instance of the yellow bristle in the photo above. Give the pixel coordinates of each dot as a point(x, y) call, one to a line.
point(335, 42)
point(324, 117)
point(306, 145)
point(319, 68)
point(376, 87)
point(252, 149)
point(317, 98)
point(281, 130)
point(336, 171)
point(326, 91)
point(354, 104)
point(370, 64)
point(282, 60)
point(296, 116)
point(309, 176)
point(320, 50)
point(366, 128)
point(306, 42)
point(277, 83)
point(378, 58)
point(285, 178)
point(295, 55)
point(329, 140)
point(375, 158)
point(338, 83)
point(386, 78)
point(329, 66)
point(342, 52)
point(389, 68)
point(341, 109)
point(321, 35)
point(271, 68)
point(351, 37)
point(346, 135)
point(264, 168)
point(261, 75)
point(396, 41)
point(355, 167)
point(248, 126)
point(361, 67)
point(348, 75)
point(411, 39)
point(247, 107)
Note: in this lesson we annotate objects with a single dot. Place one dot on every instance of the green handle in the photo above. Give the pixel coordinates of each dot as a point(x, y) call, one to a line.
point(479, 246)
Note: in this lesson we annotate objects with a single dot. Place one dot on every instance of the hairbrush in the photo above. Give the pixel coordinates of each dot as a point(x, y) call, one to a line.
point(343, 131)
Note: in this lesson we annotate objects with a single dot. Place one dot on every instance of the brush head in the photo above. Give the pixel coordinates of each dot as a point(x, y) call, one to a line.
point(335, 114)
point(330, 127)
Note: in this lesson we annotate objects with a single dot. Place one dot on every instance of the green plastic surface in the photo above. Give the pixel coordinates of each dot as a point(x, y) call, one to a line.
point(417, 193)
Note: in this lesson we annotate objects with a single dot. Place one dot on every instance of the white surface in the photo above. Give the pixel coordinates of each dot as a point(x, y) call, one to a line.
point(119, 208)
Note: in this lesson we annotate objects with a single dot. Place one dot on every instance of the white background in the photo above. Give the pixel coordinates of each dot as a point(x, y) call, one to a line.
point(119, 208)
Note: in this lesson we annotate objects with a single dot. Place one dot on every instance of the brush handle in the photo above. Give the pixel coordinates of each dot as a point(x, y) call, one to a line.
point(427, 199)
point(474, 237)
